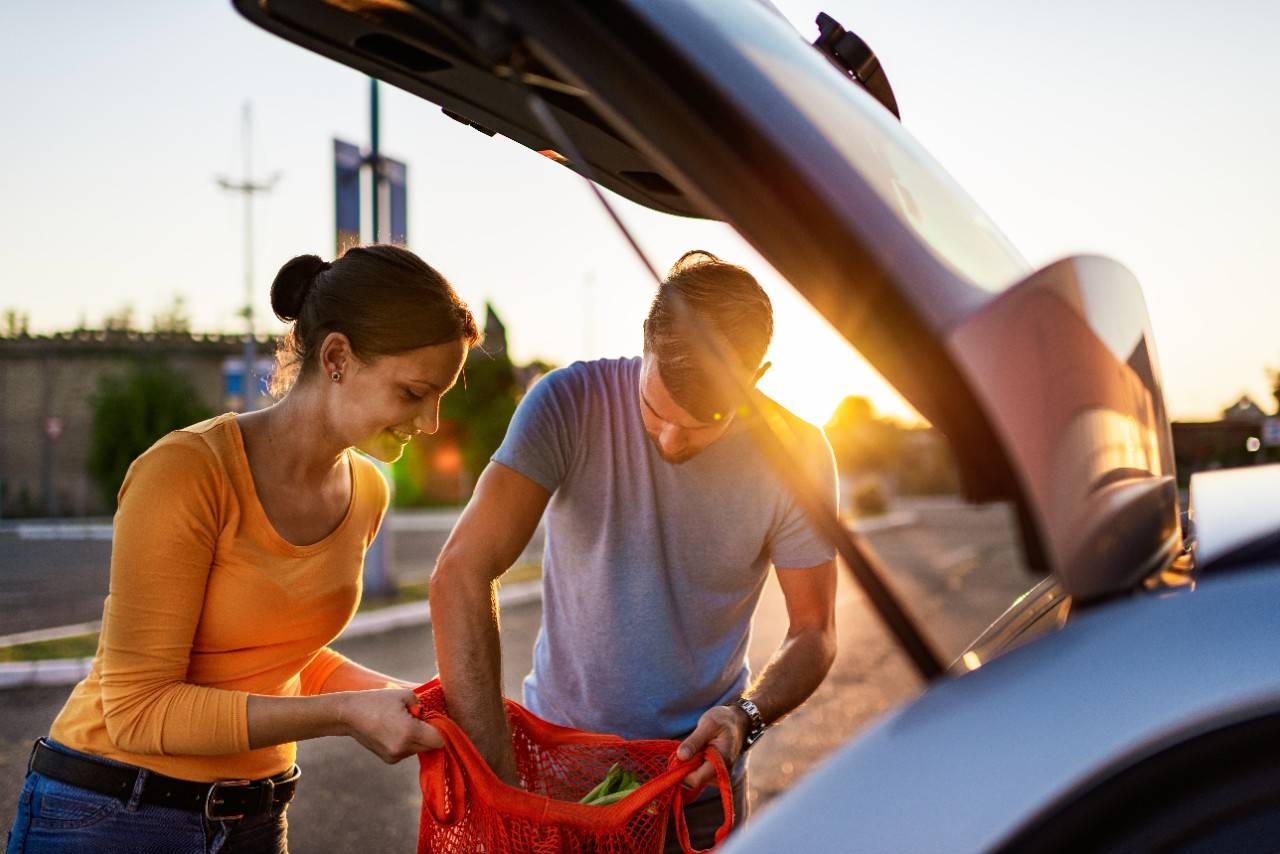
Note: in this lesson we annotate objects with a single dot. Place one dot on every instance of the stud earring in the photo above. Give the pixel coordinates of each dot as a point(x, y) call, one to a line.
point(335, 376)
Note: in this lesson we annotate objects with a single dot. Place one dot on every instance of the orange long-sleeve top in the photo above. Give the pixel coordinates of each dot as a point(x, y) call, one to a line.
point(207, 605)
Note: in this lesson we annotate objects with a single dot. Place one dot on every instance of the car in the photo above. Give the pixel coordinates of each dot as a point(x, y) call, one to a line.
point(1130, 700)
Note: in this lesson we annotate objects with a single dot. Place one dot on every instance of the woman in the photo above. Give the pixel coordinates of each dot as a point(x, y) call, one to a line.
point(236, 558)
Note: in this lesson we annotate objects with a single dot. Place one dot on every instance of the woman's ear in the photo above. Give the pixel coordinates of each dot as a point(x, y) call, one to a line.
point(336, 356)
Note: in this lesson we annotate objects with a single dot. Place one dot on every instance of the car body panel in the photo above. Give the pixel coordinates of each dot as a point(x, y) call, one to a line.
point(1065, 363)
point(981, 756)
point(1234, 512)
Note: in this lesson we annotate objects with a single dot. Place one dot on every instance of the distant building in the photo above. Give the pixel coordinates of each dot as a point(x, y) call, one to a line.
point(1244, 409)
point(1203, 445)
point(47, 383)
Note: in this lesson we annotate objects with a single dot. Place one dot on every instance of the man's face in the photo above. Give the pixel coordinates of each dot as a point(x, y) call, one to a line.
point(677, 435)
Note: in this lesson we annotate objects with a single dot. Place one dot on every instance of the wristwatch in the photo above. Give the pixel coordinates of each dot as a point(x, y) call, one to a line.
point(755, 722)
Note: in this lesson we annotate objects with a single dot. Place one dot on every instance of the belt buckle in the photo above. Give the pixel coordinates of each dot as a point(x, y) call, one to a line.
point(211, 799)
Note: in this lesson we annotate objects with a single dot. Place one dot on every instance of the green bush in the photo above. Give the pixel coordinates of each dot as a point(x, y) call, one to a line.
point(130, 412)
point(869, 498)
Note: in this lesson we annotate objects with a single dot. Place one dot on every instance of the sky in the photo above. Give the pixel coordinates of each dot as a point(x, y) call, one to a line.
point(1145, 131)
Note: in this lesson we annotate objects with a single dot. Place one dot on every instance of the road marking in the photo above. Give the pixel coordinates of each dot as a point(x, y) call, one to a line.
point(55, 633)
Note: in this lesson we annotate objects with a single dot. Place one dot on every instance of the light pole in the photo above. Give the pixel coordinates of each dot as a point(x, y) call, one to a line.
point(247, 187)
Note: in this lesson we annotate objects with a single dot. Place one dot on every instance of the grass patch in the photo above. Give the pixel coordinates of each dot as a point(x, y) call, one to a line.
point(77, 646)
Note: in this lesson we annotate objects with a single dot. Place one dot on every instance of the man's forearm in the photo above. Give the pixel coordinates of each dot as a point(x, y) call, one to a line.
point(793, 673)
point(464, 617)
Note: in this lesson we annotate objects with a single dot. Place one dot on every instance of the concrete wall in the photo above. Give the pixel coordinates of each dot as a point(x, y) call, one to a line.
point(56, 376)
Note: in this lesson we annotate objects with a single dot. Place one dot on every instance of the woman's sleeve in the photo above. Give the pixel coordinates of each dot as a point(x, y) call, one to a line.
point(166, 529)
point(317, 672)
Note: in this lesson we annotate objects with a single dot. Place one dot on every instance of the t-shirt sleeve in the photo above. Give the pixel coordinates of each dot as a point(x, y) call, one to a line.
point(545, 429)
point(796, 543)
point(166, 529)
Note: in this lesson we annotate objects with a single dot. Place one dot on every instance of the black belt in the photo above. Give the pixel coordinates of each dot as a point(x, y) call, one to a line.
point(225, 800)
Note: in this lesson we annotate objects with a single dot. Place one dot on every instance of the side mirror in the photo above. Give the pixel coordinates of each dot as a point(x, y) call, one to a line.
point(855, 60)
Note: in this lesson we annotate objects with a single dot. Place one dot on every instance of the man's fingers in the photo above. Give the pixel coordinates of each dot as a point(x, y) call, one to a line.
point(697, 740)
point(700, 776)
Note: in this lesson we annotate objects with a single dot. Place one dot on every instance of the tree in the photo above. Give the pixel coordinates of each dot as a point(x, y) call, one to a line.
point(915, 460)
point(473, 421)
point(1273, 374)
point(14, 324)
point(173, 318)
point(131, 412)
point(120, 320)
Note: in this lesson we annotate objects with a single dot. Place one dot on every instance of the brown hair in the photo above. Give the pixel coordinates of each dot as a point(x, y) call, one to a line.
point(384, 298)
point(732, 305)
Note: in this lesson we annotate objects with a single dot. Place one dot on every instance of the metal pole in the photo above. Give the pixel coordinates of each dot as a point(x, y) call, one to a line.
point(375, 162)
point(250, 345)
point(377, 577)
point(246, 187)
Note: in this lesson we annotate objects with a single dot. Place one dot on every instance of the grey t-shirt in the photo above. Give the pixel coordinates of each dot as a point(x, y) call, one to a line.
point(651, 571)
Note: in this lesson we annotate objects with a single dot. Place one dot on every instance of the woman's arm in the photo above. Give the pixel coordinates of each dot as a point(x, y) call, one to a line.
point(165, 533)
point(332, 671)
point(378, 719)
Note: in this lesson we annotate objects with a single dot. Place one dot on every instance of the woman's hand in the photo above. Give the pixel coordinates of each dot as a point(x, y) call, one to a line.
point(381, 721)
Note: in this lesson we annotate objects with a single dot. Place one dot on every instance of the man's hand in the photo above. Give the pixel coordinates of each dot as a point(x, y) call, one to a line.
point(725, 729)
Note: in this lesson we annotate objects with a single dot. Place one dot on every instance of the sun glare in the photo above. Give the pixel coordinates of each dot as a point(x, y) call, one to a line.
point(814, 368)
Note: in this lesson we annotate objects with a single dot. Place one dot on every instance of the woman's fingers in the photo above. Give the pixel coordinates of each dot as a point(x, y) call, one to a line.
point(429, 739)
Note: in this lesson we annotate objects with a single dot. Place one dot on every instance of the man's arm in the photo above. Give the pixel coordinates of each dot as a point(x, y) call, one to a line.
point(794, 671)
point(494, 529)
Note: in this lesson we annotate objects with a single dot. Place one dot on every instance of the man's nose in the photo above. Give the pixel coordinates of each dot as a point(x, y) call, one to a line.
point(672, 439)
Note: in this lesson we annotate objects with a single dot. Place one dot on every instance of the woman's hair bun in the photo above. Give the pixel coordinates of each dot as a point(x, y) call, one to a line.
point(293, 283)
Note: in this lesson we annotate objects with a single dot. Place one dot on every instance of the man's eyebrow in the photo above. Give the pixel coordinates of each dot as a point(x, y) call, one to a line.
point(697, 426)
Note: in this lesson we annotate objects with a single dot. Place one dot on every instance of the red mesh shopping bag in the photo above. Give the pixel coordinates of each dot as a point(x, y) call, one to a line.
point(467, 809)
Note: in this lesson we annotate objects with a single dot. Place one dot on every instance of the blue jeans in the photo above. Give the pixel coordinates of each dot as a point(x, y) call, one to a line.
point(58, 818)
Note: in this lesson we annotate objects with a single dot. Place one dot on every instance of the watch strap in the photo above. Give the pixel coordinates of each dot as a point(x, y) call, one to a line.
point(755, 726)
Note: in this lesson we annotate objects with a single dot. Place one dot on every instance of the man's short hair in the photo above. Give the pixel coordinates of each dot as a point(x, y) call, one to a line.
point(724, 301)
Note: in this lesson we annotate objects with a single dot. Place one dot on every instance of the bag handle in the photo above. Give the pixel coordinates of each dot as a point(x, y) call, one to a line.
point(726, 801)
point(440, 774)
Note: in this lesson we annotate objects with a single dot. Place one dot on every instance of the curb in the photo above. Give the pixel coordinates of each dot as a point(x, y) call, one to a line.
point(69, 671)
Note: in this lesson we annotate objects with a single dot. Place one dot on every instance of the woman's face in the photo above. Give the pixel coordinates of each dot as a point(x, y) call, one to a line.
point(380, 405)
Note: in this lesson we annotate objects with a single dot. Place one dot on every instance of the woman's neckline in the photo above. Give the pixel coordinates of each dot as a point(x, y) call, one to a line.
point(258, 510)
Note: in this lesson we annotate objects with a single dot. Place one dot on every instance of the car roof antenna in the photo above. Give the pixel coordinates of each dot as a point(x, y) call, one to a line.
point(855, 59)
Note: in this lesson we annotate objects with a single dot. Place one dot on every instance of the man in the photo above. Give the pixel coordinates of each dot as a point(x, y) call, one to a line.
point(663, 516)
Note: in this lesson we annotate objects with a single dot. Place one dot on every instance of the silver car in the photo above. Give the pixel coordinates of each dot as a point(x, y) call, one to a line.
point(1131, 699)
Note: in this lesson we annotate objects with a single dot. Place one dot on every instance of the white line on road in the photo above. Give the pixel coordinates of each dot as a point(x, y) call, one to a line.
point(55, 633)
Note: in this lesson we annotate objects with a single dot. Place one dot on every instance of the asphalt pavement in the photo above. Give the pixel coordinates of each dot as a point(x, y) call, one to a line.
point(957, 568)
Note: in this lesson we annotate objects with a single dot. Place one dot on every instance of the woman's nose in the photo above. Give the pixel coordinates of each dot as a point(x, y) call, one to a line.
point(428, 421)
